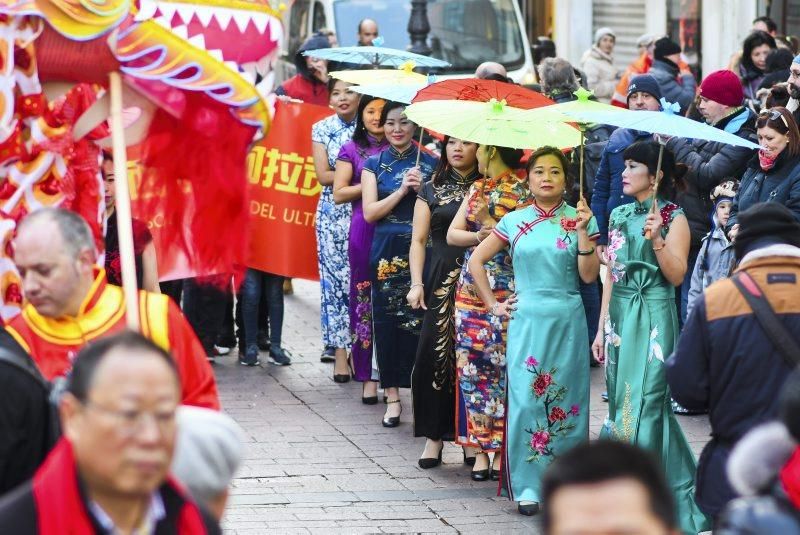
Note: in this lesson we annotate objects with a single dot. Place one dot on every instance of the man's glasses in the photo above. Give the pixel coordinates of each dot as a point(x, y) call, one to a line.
point(774, 115)
point(130, 422)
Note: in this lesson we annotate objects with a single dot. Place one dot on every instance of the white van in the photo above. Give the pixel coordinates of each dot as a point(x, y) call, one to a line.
point(464, 33)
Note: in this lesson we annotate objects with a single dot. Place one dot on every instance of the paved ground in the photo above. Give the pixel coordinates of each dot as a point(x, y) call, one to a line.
point(319, 460)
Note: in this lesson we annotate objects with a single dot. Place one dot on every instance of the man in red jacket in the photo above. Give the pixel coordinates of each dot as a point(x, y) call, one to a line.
point(109, 472)
point(69, 303)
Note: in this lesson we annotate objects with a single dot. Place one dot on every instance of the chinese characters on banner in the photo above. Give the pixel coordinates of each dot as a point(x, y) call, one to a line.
point(283, 194)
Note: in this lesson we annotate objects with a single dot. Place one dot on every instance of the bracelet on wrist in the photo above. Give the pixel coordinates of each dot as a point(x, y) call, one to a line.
point(417, 284)
point(656, 249)
point(585, 253)
point(493, 308)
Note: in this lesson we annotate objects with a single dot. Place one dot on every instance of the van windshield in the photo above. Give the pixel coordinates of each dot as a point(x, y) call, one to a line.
point(464, 33)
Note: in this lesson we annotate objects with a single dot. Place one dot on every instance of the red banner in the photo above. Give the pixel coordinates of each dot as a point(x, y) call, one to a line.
point(283, 194)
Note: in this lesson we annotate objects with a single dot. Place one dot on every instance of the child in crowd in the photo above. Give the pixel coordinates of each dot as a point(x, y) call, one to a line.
point(716, 259)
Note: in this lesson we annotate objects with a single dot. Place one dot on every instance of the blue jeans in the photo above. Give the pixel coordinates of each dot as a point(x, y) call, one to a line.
point(257, 283)
point(687, 283)
point(590, 294)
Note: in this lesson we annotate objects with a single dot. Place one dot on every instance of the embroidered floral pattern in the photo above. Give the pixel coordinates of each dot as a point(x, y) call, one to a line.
point(546, 390)
point(615, 242)
point(444, 304)
point(393, 276)
point(611, 338)
point(626, 433)
point(654, 350)
point(362, 334)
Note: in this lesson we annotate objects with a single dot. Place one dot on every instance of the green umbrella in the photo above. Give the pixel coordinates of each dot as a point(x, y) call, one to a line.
point(492, 123)
point(565, 111)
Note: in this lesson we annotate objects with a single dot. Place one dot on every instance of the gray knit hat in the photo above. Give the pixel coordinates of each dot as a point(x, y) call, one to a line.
point(603, 31)
point(208, 451)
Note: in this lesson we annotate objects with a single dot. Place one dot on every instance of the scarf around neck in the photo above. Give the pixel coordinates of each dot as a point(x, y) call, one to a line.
point(766, 161)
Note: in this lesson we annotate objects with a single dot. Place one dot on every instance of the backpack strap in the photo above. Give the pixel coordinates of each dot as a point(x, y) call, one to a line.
point(776, 331)
point(24, 363)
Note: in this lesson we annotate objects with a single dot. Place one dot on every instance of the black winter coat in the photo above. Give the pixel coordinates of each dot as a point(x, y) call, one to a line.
point(675, 86)
point(25, 420)
point(780, 184)
point(710, 163)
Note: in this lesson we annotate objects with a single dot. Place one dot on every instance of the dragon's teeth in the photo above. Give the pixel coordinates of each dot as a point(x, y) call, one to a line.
point(223, 17)
point(261, 21)
point(186, 12)
point(242, 19)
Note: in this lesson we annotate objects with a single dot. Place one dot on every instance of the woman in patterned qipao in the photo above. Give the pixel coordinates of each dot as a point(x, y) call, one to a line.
point(639, 320)
point(480, 337)
point(390, 182)
point(433, 377)
point(551, 245)
point(333, 226)
point(367, 141)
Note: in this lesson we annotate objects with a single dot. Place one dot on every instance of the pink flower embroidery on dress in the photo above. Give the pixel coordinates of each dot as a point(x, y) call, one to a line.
point(615, 242)
point(550, 394)
point(539, 441)
point(569, 224)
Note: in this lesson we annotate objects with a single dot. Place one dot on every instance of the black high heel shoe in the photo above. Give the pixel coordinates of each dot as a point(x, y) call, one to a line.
point(392, 421)
point(344, 377)
point(528, 508)
point(469, 461)
point(427, 462)
point(368, 400)
point(480, 475)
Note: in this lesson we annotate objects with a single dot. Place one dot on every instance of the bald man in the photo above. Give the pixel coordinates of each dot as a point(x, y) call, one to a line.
point(367, 32)
point(490, 69)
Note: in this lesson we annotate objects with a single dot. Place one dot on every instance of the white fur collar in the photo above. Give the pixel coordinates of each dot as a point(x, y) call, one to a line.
point(779, 249)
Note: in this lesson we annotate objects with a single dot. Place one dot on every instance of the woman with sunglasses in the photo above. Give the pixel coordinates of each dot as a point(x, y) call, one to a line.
point(774, 174)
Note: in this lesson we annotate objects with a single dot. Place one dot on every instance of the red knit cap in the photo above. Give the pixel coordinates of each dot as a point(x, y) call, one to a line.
point(723, 87)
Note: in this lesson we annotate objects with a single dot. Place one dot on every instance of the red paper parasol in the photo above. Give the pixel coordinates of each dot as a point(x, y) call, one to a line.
point(483, 91)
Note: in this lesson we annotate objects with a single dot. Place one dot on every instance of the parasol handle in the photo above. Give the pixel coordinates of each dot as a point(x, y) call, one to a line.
point(580, 171)
point(647, 235)
point(123, 204)
point(419, 147)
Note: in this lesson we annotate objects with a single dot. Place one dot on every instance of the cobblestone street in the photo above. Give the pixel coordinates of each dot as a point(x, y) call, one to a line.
point(319, 461)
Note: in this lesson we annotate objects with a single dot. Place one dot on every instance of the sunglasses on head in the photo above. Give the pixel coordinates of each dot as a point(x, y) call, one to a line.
point(774, 115)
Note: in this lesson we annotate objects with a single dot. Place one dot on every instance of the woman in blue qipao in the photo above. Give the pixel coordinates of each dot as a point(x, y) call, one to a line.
point(552, 247)
point(333, 226)
point(389, 185)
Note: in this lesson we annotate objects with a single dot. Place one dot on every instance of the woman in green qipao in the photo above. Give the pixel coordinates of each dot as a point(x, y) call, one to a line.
point(647, 258)
point(551, 247)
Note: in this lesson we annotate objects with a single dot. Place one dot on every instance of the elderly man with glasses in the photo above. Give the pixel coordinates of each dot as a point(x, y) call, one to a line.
point(109, 471)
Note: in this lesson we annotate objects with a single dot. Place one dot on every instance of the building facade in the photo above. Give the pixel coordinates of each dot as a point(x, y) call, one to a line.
point(709, 31)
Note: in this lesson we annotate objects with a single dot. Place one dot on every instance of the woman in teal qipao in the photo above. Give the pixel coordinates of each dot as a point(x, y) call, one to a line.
point(551, 246)
point(639, 320)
